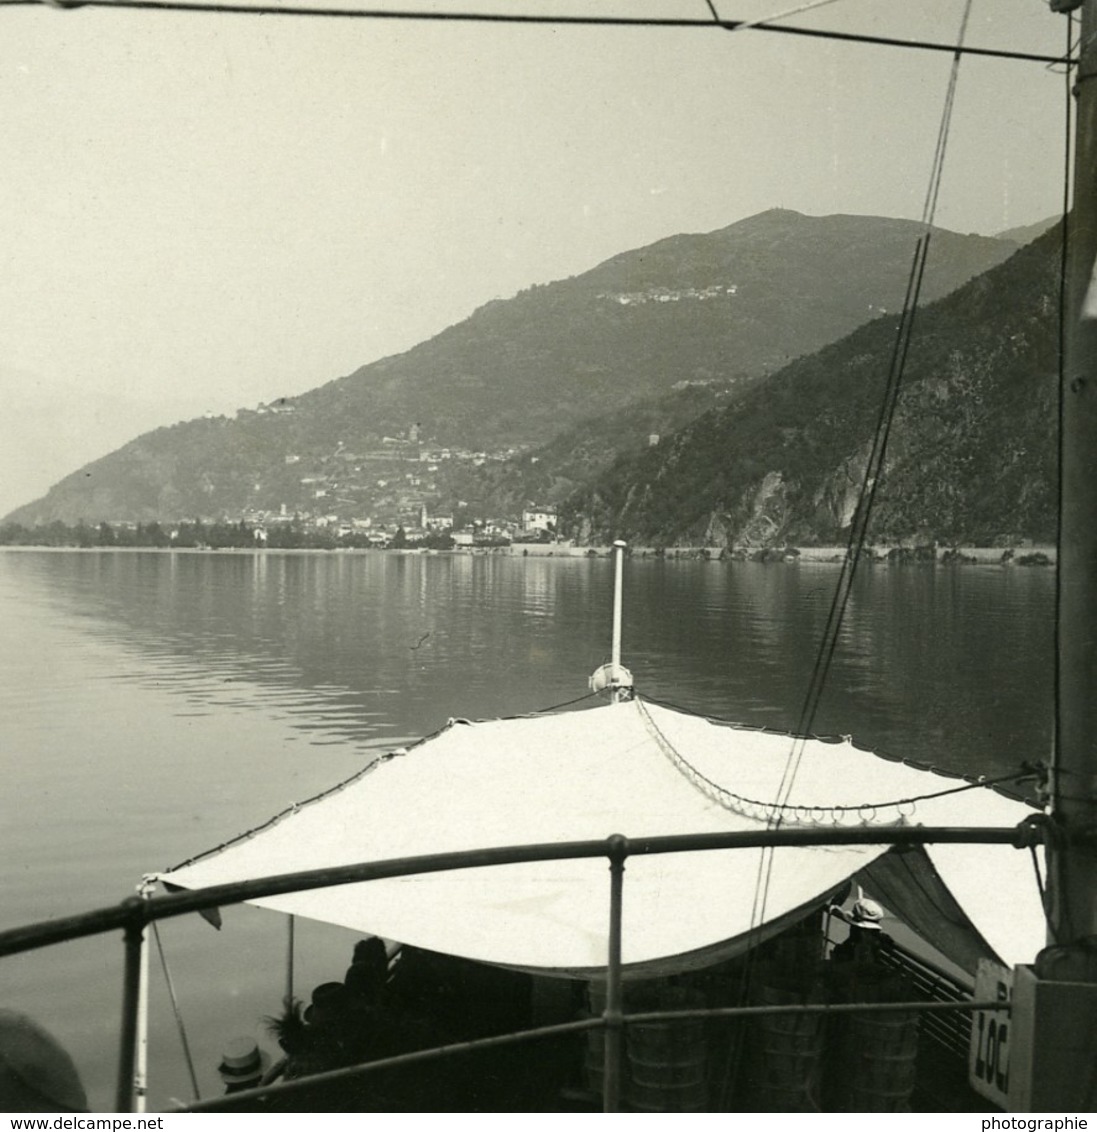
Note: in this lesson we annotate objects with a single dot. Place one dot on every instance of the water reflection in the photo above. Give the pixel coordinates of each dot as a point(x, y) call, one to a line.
point(950, 662)
point(155, 704)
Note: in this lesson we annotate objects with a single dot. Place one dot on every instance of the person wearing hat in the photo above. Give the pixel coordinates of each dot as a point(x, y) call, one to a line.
point(329, 1005)
point(36, 1073)
point(316, 1038)
point(867, 937)
point(243, 1065)
point(368, 974)
point(329, 1027)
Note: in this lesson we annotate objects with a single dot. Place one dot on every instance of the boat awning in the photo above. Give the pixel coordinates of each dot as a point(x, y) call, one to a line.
point(641, 770)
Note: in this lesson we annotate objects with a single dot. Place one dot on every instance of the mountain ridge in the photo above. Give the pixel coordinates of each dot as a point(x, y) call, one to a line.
point(719, 310)
point(972, 452)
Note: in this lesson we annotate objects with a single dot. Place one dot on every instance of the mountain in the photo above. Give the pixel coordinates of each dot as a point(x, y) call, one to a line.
point(550, 473)
point(1026, 233)
point(718, 311)
point(972, 452)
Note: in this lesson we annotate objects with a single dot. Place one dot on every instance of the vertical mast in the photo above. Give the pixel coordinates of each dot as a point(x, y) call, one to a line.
point(618, 582)
point(614, 677)
point(1072, 865)
point(1051, 1067)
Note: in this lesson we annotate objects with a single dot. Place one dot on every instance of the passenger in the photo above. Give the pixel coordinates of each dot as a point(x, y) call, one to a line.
point(36, 1073)
point(371, 950)
point(331, 1026)
point(367, 976)
point(867, 938)
point(243, 1065)
point(328, 1007)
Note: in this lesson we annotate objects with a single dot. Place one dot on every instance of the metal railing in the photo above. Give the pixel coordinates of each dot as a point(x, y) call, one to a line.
point(133, 915)
point(950, 1030)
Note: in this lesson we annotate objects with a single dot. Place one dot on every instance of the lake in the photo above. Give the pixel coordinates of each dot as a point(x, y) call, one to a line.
point(156, 704)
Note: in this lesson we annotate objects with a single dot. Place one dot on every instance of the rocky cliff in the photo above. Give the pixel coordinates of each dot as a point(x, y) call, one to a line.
point(972, 450)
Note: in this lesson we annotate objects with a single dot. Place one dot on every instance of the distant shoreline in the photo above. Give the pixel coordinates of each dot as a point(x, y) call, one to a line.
point(1029, 555)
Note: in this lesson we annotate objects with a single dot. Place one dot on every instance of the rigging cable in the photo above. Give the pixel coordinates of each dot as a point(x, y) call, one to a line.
point(548, 19)
point(175, 1009)
point(870, 481)
point(1040, 888)
point(744, 25)
point(874, 467)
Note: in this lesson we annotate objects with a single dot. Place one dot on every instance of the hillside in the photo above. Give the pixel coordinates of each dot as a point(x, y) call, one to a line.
point(972, 451)
point(1026, 233)
point(717, 311)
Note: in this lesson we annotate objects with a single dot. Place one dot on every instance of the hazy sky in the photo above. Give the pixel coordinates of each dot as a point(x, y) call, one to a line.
point(200, 212)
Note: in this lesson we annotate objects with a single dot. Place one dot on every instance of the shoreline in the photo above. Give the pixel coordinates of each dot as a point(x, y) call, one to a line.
point(1022, 555)
point(1038, 554)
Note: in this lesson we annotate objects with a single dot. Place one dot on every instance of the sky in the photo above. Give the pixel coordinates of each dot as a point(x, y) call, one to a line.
point(201, 212)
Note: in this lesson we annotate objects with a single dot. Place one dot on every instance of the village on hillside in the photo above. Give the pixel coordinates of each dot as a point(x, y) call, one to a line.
point(397, 493)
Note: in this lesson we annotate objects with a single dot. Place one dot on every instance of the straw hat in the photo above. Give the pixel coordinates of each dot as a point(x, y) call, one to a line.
point(867, 914)
point(243, 1061)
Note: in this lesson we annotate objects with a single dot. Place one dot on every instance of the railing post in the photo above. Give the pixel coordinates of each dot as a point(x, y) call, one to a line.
point(615, 1024)
point(289, 961)
point(141, 1070)
point(133, 940)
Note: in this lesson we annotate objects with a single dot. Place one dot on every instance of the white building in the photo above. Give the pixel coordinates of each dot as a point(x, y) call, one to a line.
point(539, 519)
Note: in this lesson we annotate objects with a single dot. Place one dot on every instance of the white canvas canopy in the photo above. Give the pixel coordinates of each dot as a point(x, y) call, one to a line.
point(640, 770)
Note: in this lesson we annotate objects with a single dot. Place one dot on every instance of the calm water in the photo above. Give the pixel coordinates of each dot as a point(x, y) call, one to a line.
point(154, 705)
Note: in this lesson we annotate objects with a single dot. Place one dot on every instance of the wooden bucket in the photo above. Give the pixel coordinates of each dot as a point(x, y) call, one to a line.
point(668, 1061)
point(878, 1063)
point(788, 1054)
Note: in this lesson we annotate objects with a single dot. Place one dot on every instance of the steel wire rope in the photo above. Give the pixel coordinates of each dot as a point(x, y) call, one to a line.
point(875, 465)
point(567, 703)
point(745, 25)
point(176, 1011)
point(1041, 890)
point(686, 23)
point(1074, 47)
point(870, 481)
point(843, 590)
